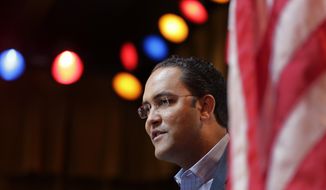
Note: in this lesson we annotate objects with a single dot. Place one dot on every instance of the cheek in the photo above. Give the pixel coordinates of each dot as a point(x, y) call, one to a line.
point(188, 123)
point(181, 114)
point(179, 119)
point(147, 129)
point(171, 117)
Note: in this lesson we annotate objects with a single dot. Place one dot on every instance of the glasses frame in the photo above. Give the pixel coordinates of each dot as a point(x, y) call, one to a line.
point(144, 112)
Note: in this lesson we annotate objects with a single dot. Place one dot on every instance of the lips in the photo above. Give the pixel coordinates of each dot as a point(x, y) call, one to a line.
point(157, 133)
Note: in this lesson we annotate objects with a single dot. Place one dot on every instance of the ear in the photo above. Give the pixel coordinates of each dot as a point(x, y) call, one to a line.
point(207, 106)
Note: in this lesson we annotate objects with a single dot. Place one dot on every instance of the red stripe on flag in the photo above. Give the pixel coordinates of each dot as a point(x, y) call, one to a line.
point(264, 54)
point(247, 49)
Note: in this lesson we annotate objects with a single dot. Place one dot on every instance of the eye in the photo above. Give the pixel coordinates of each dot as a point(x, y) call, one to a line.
point(164, 101)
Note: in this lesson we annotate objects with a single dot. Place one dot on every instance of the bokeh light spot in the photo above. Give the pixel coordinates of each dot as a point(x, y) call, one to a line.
point(67, 68)
point(221, 1)
point(129, 56)
point(194, 11)
point(12, 64)
point(127, 86)
point(173, 28)
point(155, 47)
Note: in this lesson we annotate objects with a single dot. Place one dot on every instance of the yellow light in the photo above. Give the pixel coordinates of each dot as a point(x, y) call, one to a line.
point(220, 1)
point(173, 28)
point(127, 86)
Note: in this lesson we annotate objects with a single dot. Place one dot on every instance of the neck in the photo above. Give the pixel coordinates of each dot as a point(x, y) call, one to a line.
point(204, 143)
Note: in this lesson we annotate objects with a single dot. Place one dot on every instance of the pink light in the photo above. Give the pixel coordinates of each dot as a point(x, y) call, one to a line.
point(194, 11)
point(67, 68)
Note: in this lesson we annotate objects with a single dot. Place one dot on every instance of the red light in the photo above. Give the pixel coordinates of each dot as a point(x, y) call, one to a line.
point(194, 11)
point(67, 68)
point(129, 56)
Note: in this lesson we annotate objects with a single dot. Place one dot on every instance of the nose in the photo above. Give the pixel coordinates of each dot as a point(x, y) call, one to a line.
point(154, 119)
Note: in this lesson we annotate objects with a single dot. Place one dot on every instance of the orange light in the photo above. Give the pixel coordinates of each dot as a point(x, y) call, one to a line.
point(127, 86)
point(194, 11)
point(221, 1)
point(173, 28)
point(67, 68)
point(129, 56)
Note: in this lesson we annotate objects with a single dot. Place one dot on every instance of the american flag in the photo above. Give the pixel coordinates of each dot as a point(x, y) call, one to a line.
point(277, 94)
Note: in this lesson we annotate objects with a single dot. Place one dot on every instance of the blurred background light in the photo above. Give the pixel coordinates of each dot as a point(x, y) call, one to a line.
point(155, 47)
point(173, 28)
point(12, 64)
point(194, 11)
point(127, 86)
point(67, 68)
point(221, 1)
point(129, 56)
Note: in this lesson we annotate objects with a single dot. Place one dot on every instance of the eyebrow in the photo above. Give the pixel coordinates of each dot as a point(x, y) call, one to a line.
point(160, 95)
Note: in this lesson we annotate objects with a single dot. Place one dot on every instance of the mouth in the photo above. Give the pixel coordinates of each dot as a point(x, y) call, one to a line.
point(157, 134)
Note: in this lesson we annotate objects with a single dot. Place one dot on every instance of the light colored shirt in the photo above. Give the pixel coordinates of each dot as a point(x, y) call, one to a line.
point(200, 176)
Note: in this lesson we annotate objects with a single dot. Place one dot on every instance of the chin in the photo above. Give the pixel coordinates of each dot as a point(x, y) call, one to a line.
point(161, 154)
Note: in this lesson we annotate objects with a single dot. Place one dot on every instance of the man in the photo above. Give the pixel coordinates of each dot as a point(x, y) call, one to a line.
point(184, 104)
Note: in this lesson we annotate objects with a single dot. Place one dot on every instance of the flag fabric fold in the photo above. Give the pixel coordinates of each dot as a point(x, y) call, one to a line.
point(277, 94)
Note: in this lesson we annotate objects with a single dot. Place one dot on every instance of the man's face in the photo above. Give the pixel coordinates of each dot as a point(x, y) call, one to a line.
point(173, 122)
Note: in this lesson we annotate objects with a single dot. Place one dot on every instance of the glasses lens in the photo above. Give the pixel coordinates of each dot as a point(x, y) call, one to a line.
point(143, 111)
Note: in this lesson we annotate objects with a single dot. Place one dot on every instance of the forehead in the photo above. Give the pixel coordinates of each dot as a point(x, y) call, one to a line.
point(164, 80)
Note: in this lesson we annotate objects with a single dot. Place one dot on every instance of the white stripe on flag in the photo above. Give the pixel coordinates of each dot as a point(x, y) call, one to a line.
point(238, 118)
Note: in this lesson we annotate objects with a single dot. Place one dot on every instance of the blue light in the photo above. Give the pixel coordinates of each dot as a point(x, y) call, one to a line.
point(155, 47)
point(12, 64)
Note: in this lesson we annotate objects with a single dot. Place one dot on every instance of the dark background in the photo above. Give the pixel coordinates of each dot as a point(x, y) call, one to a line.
point(84, 136)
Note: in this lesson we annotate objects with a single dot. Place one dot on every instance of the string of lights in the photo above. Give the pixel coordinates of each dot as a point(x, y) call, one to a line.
point(68, 67)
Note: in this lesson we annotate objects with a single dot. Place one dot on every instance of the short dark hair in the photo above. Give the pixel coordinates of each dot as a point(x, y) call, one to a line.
point(201, 78)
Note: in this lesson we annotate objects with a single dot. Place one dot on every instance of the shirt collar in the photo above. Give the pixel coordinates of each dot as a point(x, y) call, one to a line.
point(204, 169)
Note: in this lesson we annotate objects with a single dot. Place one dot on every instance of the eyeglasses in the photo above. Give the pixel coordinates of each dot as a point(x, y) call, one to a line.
point(160, 103)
